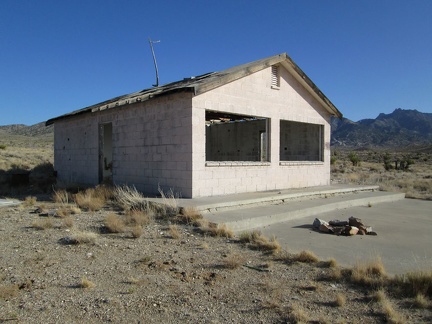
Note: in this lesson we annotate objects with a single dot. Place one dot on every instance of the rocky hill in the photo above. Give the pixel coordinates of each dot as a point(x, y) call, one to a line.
point(401, 129)
point(35, 130)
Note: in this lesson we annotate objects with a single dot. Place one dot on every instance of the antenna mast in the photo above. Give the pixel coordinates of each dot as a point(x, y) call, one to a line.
point(154, 60)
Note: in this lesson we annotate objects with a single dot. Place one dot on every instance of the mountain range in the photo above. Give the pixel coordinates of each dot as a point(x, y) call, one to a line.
point(400, 129)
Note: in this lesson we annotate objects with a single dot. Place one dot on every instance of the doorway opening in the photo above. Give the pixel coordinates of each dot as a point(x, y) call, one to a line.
point(105, 153)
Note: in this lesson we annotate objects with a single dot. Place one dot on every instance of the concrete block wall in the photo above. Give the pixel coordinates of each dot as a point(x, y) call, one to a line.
point(76, 151)
point(151, 145)
point(254, 95)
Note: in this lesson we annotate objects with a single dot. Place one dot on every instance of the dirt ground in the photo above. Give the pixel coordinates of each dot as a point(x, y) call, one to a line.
point(157, 278)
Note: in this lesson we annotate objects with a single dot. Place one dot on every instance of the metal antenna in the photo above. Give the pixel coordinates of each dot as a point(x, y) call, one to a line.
point(154, 59)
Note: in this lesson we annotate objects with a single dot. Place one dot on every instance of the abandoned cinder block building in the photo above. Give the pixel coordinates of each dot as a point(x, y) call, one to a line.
point(254, 127)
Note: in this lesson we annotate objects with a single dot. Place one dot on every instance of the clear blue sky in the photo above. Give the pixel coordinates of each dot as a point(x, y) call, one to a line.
point(367, 56)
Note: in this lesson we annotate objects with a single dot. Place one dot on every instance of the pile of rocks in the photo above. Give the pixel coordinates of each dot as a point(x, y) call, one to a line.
point(354, 226)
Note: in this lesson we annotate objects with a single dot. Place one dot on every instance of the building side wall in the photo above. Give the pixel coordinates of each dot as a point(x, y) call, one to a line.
point(254, 95)
point(151, 145)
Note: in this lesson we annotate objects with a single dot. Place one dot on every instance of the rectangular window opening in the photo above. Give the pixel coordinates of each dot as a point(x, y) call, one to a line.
point(232, 137)
point(301, 141)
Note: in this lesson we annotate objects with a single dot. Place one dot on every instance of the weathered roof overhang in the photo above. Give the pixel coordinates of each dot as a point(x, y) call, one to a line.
point(209, 81)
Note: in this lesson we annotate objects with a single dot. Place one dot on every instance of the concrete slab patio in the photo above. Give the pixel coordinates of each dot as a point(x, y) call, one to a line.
point(403, 225)
point(404, 240)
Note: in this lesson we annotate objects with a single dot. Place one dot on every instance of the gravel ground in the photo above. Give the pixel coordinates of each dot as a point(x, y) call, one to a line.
point(159, 279)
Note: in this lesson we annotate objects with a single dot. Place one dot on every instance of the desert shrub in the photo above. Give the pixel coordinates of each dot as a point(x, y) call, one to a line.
point(43, 224)
point(189, 215)
point(137, 217)
point(114, 224)
point(85, 283)
point(60, 196)
point(414, 283)
point(333, 160)
point(305, 257)
point(233, 261)
point(174, 231)
point(29, 201)
point(81, 237)
point(370, 273)
point(353, 157)
point(2, 147)
point(89, 199)
point(137, 231)
point(340, 300)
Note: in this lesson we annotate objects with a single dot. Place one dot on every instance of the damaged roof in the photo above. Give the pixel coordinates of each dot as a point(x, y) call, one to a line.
point(209, 81)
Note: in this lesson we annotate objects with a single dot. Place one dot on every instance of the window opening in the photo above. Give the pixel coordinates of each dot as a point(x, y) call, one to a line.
point(301, 141)
point(232, 137)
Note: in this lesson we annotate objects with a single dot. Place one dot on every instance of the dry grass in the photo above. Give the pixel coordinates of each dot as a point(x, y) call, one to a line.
point(296, 314)
point(43, 224)
point(137, 231)
point(304, 257)
point(9, 291)
point(114, 224)
point(61, 196)
point(250, 237)
point(174, 232)
point(65, 211)
point(340, 300)
point(82, 237)
point(260, 242)
point(370, 273)
point(414, 283)
point(85, 283)
point(29, 201)
point(189, 215)
point(213, 229)
point(233, 261)
point(137, 217)
point(332, 263)
point(67, 222)
point(421, 301)
point(90, 199)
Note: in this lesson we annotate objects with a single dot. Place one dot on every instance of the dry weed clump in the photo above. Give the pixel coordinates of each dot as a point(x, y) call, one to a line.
point(61, 197)
point(421, 301)
point(260, 242)
point(189, 215)
point(90, 199)
point(85, 283)
point(81, 237)
point(43, 224)
point(67, 222)
point(370, 273)
point(392, 316)
point(29, 201)
point(340, 300)
point(114, 224)
point(296, 314)
point(233, 261)
point(65, 211)
point(213, 229)
point(174, 232)
point(305, 257)
point(137, 231)
point(137, 217)
point(414, 283)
